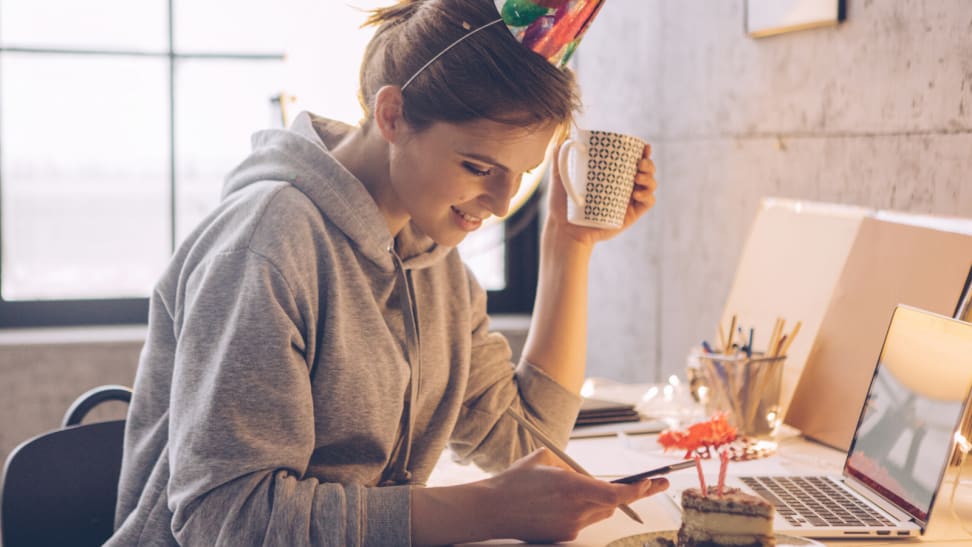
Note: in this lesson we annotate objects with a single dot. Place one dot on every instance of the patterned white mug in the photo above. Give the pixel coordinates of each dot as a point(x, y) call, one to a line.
point(599, 176)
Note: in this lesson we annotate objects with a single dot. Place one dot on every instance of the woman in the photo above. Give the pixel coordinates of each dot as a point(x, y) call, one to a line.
point(317, 342)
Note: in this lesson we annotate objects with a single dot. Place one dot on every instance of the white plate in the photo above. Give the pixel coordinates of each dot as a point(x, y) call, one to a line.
point(667, 537)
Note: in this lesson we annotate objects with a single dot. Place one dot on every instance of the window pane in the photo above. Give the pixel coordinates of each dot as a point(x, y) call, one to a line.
point(84, 176)
point(219, 104)
point(484, 252)
point(230, 26)
point(91, 24)
point(324, 82)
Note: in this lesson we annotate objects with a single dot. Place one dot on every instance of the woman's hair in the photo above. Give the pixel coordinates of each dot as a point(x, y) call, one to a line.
point(488, 75)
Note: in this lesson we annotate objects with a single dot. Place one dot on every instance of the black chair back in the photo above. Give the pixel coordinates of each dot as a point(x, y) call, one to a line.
point(60, 488)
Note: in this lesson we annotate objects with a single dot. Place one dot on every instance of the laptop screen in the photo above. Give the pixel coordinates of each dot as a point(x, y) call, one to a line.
point(905, 434)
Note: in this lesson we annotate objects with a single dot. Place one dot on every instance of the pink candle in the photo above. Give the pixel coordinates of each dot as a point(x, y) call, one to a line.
point(723, 465)
point(698, 467)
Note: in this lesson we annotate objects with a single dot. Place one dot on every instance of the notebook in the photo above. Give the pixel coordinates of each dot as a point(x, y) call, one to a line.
point(598, 411)
point(902, 443)
point(603, 418)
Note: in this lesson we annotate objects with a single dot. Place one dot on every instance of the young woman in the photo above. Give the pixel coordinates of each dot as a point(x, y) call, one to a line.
point(317, 342)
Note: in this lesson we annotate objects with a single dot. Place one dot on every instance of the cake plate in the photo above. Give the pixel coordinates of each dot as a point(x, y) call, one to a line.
point(666, 538)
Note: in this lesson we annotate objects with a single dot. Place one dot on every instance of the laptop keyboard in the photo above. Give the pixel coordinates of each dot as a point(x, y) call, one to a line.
point(814, 501)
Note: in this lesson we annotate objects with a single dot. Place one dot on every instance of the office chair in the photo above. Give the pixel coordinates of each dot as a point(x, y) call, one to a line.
point(59, 488)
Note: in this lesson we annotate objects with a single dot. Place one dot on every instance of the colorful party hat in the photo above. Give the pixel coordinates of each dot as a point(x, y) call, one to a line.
point(552, 28)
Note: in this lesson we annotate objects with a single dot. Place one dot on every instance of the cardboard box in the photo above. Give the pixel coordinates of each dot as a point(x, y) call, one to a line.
point(841, 270)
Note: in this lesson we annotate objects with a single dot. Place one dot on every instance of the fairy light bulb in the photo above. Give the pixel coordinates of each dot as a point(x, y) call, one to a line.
point(650, 394)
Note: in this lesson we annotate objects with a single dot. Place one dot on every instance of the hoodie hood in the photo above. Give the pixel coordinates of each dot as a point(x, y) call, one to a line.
point(300, 156)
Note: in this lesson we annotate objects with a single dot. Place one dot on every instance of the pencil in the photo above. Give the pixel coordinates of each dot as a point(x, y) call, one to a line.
point(778, 350)
point(796, 329)
point(775, 336)
point(732, 332)
point(551, 446)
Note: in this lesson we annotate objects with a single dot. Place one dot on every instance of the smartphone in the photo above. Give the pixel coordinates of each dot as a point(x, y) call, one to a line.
point(663, 470)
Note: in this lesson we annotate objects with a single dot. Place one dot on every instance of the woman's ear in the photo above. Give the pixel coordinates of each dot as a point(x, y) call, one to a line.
point(389, 113)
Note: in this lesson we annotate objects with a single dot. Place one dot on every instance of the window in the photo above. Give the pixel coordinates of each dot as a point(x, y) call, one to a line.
point(119, 120)
point(505, 259)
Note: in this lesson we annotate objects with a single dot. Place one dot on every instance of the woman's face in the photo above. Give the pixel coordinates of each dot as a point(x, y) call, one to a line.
point(449, 178)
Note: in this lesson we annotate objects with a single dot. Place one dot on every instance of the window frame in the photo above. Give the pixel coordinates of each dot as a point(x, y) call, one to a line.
point(522, 249)
point(521, 230)
point(521, 234)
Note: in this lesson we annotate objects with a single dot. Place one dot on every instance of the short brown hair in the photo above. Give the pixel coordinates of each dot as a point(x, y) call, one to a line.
point(489, 75)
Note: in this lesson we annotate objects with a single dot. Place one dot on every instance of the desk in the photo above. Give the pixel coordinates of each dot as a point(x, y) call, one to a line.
point(612, 457)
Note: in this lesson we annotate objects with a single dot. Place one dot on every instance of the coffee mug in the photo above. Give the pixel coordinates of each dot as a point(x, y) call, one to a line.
point(598, 169)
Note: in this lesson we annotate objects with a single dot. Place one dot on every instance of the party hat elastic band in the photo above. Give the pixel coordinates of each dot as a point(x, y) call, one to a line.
point(551, 28)
point(447, 48)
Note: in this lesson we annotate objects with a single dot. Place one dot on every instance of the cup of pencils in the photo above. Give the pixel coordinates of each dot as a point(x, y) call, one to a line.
point(745, 384)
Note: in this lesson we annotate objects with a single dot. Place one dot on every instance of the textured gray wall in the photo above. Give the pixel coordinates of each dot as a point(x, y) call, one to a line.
point(876, 112)
point(43, 371)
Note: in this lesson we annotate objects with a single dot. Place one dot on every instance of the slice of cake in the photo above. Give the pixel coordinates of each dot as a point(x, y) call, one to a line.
point(736, 519)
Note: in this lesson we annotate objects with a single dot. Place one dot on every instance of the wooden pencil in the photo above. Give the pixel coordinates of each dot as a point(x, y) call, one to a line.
point(775, 336)
point(792, 335)
point(732, 333)
point(778, 350)
point(551, 446)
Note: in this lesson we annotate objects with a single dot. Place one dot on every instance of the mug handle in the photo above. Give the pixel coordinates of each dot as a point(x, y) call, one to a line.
point(562, 156)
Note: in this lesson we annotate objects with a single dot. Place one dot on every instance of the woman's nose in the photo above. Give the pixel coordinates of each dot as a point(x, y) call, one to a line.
point(501, 194)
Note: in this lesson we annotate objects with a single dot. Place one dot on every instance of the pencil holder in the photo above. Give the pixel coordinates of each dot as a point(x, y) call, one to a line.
point(747, 389)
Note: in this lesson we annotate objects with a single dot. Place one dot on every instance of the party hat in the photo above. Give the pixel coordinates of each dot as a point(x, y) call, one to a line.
point(552, 28)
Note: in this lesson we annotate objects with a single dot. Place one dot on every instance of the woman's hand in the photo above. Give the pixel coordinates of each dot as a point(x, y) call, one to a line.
point(642, 199)
point(540, 499)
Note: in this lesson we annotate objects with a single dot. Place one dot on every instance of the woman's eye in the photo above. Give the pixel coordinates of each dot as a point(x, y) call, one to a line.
point(477, 171)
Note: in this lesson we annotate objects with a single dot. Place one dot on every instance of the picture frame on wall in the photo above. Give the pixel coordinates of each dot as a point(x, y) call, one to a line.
point(771, 17)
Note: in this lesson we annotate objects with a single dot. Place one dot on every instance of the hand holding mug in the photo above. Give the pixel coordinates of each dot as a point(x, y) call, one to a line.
point(599, 171)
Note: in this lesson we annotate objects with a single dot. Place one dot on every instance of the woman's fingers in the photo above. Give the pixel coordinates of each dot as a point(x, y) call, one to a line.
point(642, 194)
point(638, 490)
point(645, 183)
point(654, 486)
point(539, 501)
point(646, 165)
point(613, 494)
point(645, 180)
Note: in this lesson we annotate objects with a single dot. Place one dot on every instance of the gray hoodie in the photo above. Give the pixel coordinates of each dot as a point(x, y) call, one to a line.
point(304, 369)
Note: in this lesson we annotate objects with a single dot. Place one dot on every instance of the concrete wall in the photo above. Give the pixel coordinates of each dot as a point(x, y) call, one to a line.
point(876, 112)
point(43, 371)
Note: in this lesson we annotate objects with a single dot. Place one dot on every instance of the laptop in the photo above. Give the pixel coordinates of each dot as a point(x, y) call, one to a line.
point(901, 446)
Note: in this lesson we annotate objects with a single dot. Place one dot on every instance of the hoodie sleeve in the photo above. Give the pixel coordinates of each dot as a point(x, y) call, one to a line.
point(241, 424)
point(483, 434)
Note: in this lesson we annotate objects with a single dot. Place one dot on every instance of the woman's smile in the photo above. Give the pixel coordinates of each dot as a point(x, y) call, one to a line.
point(466, 221)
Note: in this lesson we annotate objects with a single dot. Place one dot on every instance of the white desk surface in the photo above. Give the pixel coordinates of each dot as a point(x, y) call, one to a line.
point(612, 457)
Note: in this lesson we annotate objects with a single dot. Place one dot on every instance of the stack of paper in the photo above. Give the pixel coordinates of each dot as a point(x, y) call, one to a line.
point(599, 411)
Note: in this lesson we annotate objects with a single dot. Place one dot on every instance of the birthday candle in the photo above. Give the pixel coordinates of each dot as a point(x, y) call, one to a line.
point(698, 467)
point(723, 465)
